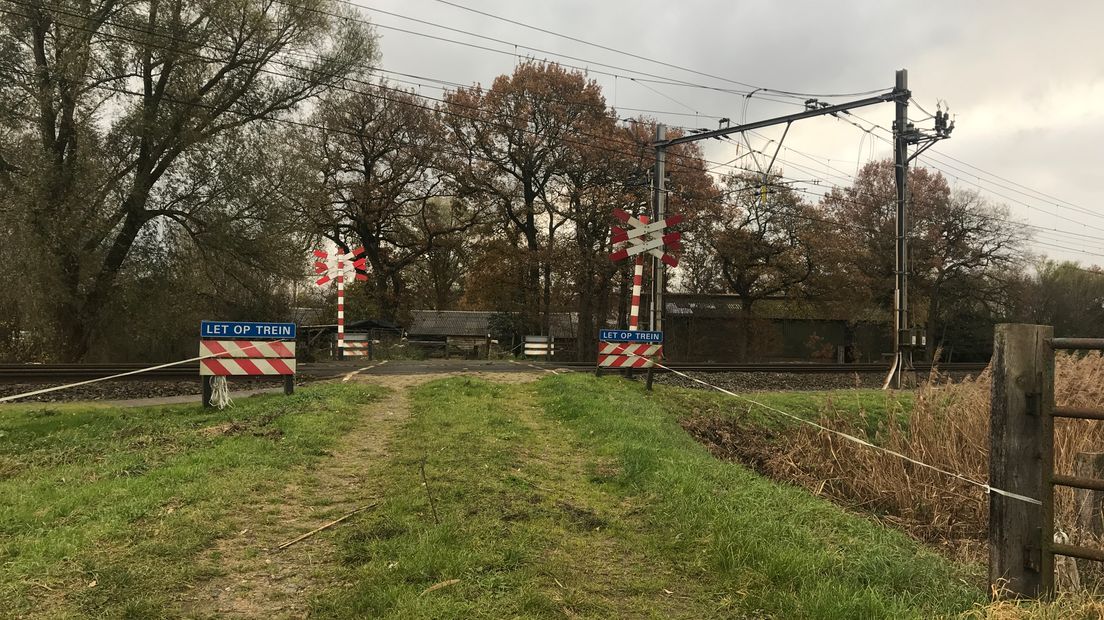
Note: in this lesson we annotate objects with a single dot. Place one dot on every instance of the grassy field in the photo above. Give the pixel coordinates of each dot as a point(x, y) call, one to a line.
point(567, 497)
point(583, 497)
point(107, 512)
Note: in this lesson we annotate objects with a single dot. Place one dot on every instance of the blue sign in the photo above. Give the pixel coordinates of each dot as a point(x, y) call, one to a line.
point(617, 335)
point(247, 331)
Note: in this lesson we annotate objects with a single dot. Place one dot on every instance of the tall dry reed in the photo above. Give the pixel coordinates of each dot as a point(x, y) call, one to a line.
point(948, 427)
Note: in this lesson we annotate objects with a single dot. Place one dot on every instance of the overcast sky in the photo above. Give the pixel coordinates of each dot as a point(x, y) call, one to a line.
point(1025, 82)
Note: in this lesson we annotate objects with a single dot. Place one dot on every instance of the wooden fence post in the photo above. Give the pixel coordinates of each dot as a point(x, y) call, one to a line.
point(1021, 460)
point(207, 390)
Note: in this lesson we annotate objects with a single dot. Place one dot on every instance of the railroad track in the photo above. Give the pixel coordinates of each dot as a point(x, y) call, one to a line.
point(800, 368)
point(20, 373)
point(16, 373)
point(29, 373)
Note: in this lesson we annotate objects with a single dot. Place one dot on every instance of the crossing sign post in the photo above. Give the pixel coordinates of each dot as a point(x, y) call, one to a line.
point(639, 236)
point(237, 348)
point(335, 268)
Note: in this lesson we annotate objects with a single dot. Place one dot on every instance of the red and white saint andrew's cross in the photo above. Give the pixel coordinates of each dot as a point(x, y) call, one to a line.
point(334, 268)
point(246, 357)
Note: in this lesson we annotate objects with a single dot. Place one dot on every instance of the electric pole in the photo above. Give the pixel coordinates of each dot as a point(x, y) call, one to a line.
point(902, 332)
point(659, 209)
point(904, 135)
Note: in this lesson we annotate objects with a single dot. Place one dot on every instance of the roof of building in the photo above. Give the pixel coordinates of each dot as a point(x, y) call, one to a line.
point(476, 323)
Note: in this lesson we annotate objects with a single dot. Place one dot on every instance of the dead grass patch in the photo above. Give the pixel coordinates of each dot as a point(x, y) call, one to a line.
point(948, 426)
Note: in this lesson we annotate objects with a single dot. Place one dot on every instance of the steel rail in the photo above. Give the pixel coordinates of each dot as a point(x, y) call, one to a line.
point(15, 373)
point(784, 367)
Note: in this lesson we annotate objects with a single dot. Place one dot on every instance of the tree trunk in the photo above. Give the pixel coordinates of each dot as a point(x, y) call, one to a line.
point(381, 295)
point(530, 293)
point(398, 298)
point(546, 318)
point(935, 306)
point(83, 324)
point(585, 347)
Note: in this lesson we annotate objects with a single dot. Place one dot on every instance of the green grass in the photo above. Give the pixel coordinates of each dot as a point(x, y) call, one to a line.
point(129, 499)
point(583, 497)
point(521, 524)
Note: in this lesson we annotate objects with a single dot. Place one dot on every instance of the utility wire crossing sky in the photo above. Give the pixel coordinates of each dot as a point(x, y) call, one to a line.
point(1022, 81)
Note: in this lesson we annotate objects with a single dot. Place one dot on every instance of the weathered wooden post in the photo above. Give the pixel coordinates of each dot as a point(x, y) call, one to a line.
point(1021, 460)
point(208, 391)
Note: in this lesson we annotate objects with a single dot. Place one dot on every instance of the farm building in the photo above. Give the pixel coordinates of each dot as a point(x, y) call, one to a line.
point(472, 332)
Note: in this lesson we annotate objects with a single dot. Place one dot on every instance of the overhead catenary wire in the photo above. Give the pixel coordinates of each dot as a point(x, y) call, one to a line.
point(300, 68)
point(652, 60)
point(315, 57)
point(876, 126)
point(934, 156)
point(589, 65)
point(844, 175)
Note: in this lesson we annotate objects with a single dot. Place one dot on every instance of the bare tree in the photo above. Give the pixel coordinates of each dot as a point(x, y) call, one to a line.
point(758, 236)
point(386, 186)
point(124, 91)
point(516, 137)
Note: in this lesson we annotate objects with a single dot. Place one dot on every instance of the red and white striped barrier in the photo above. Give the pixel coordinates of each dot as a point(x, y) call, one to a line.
point(247, 348)
point(357, 348)
point(639, 238)
point(246, 358)
point(628, 354)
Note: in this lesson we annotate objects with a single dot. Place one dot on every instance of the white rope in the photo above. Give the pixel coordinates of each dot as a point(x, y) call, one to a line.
point(220, 393)
point(892, 370)
point(118, 376)
point(97, 380)
point(862, 442)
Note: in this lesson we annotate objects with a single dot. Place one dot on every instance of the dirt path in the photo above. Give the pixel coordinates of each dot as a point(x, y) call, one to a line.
point(259, 581)
point(604, 561)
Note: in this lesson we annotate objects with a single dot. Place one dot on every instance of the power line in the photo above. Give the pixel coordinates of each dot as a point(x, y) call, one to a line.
point(651, 60)
point(1037, 227)
point(876, 126)
point(291, 122)
point(299, 68)
point(300, 55)
point(648, 77)
point(296, 67)
point(1069, 249)
point(932, 156)
point(1011, 182)
point(935, 164)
